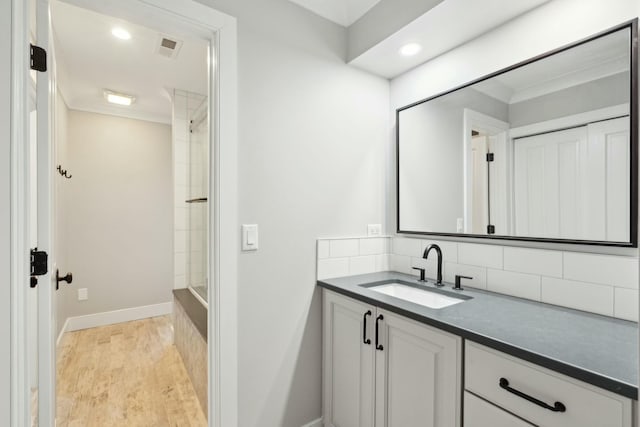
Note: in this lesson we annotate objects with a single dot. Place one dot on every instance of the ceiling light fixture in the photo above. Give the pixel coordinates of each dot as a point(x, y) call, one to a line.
point(410, 49)
point(121, 33)
point(118, 98)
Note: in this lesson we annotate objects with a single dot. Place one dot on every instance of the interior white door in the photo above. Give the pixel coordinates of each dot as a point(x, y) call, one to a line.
point(45, 95)
point(606, 193)
point(348, 362)
point(574, 183)
point(547, 184)
point(418, 374)
point(480, 186)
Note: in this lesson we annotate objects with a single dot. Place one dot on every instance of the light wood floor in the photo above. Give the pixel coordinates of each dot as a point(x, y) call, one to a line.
point(128, 374)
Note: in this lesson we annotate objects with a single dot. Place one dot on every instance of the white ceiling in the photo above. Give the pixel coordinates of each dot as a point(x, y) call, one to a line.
point(600, 58)
point(90, 59)
point(444, 27)
point(343, 12)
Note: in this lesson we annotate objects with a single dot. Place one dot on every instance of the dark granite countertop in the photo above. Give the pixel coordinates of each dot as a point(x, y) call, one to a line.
point(599, 350)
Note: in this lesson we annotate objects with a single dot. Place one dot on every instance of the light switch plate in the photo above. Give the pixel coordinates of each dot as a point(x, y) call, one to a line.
point(374, 230)
point(83, 294)
point(249, 237)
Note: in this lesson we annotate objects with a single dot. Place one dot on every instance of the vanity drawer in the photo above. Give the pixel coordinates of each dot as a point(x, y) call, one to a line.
point(585, 405)
point(480, 413)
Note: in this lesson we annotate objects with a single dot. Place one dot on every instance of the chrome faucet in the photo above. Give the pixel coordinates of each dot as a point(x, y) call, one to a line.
point(425, 255)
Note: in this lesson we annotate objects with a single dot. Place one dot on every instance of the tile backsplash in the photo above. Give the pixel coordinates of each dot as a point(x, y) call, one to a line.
point(603, 284)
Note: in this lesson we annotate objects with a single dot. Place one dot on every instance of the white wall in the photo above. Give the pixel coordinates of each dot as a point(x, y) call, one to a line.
point(119, 213)
point(5, 210)
point(312, 133)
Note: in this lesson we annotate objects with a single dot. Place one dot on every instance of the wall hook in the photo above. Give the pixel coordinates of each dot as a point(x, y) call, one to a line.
point(63, 172)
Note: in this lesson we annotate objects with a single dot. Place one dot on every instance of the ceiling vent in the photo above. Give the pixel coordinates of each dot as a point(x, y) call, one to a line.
point(168, 47)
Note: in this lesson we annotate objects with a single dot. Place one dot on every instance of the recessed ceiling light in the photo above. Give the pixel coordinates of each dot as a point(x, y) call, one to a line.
point(121, 33)
point(410, 49)
point(118, 98)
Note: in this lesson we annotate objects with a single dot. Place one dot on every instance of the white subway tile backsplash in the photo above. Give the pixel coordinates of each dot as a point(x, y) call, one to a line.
point(582, 281)
point(323, 249)
point(430, 267)
point(604, 269)
point(480, 255)
point(626, 304)
point(479, 274)
point(449, 249)
point(516, 284)
point(362, 264)
point(343, 248)
point(401, 264)
point(407, 247)
point(579, 295)
point(533, 261)
point(373, 246)
point(333, 267)
point(382, 262)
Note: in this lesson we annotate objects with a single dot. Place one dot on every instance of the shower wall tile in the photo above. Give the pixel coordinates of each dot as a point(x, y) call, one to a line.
point(193, 351)
point(183, 103)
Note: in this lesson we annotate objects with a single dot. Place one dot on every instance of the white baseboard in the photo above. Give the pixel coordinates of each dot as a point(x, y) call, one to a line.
point(116, 316)
point(314, 423)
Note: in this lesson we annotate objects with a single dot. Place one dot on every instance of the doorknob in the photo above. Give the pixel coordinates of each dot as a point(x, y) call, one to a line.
point(68, 278)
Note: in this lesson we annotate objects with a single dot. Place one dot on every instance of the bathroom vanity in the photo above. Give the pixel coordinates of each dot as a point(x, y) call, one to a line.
point(488, 360)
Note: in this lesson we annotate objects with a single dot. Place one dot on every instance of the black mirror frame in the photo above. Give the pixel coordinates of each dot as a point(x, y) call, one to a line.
point(632, 26)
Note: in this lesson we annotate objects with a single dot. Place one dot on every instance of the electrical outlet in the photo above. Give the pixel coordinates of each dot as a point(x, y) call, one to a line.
point(374, 230)
point(83, 294)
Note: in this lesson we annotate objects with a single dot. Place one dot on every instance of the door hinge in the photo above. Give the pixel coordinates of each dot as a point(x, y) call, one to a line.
point(39, 265)
point(38, 58)
point(489, 157)
point(491, 229)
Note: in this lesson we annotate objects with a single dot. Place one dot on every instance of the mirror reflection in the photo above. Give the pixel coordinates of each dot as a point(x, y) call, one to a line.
point(541, 151)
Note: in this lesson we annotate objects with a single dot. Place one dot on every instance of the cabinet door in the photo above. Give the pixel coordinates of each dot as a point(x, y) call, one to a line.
point(348, 387)
point(418, 374)
point(480, 413)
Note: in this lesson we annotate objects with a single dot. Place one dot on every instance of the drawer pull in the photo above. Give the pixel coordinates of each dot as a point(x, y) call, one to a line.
point(364, 328)
point(557, 406)
point(378, 346)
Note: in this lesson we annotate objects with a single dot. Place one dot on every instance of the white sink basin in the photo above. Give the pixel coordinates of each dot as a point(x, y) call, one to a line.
point(415, 295)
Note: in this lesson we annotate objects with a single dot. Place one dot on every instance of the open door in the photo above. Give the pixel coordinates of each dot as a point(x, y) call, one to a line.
point(44, 203)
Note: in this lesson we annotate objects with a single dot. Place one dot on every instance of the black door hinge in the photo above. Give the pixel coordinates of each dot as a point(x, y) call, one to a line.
point(489, 157)
point(38, 58)
point(39, 265)
point(491, 229)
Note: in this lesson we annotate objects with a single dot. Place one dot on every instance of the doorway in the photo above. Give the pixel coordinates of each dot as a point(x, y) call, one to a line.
point(208, 23)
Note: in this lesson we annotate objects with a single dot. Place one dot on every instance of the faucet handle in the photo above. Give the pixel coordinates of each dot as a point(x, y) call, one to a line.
point(456, 286)
point(421, 273)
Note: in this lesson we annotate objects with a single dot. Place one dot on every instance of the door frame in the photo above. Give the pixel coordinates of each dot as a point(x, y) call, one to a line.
point(221, 30)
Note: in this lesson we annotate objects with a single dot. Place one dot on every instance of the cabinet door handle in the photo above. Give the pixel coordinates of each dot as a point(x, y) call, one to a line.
point(557, 406)
point(364, 328)
point(378, 346)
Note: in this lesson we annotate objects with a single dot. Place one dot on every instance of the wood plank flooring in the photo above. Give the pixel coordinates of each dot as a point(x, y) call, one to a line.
point(129, 374)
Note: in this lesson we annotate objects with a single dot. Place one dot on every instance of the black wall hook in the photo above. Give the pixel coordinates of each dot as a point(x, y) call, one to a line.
point(63, 172)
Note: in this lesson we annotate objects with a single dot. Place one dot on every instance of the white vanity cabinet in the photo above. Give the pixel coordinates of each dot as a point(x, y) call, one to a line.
point(535, 394)
point(384, 370)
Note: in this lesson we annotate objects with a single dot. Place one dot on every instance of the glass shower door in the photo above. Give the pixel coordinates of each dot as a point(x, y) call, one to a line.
point(198, 206)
